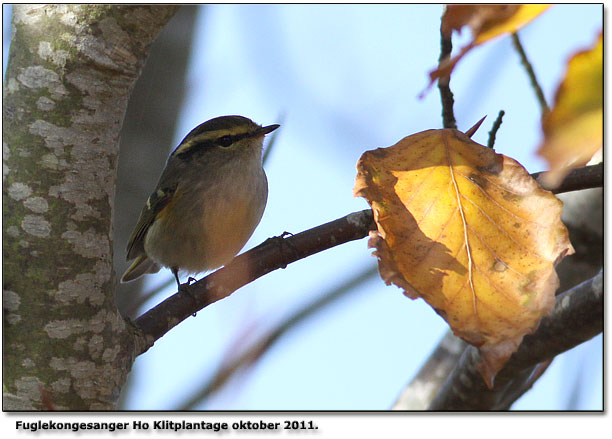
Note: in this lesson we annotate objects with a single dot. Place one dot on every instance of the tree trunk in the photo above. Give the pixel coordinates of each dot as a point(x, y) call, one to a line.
point(70, 72)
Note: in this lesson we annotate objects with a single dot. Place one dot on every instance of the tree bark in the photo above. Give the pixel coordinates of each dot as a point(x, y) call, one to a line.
point(70, 72)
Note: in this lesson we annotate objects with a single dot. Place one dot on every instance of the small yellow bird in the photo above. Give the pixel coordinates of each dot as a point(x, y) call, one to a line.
point(208, 201)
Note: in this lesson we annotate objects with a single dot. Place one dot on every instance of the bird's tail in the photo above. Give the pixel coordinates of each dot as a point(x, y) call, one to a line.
point(141, 265)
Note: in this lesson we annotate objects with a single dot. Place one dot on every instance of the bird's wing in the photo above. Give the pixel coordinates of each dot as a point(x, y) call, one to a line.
point(155, 204)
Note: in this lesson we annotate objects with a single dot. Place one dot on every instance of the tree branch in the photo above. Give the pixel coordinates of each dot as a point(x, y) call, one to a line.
point(587, 177)
point(277, 253)
point(273, 254)
point(576, 318)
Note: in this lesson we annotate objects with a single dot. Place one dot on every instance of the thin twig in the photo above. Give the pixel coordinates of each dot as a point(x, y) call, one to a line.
point(577, 317)
point(446, 95)
point(261, 346)
point(530, 72)
point(495, 128)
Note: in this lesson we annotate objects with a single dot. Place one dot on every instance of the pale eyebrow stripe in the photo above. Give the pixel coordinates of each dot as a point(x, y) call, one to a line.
point(210, 136)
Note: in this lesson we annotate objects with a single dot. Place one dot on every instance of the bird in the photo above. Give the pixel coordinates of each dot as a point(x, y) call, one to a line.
point(209, 199)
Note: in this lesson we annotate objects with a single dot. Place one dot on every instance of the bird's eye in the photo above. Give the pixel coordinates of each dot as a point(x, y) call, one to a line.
point(225, 141)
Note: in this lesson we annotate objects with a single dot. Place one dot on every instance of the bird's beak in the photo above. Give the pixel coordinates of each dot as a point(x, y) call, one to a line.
point(266, 130)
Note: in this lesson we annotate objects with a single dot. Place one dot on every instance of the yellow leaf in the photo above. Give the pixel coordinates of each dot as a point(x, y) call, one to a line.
point(486, 23)
point(573, 130)
point(470, 232)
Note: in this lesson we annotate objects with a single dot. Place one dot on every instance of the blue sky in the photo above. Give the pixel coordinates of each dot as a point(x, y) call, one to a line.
point(346, 78)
